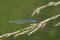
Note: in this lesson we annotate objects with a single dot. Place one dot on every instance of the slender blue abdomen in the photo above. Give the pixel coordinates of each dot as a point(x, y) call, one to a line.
point(23, 21)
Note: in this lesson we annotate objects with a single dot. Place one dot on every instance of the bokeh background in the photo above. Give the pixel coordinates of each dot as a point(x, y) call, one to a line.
point(22, 9)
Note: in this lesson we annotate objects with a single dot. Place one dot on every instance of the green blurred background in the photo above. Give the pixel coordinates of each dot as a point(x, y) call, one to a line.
point(22, 9)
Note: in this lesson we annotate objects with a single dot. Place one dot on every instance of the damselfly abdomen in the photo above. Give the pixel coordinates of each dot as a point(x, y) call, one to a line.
point(23, 21)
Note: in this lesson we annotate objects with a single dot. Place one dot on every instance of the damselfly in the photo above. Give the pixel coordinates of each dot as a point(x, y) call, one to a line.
point(23, 21)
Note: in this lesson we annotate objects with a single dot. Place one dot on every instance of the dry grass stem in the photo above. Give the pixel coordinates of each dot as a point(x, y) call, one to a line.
point(42, 7)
